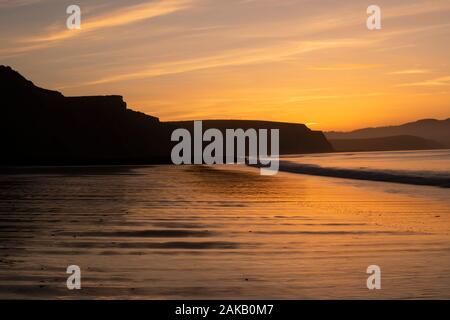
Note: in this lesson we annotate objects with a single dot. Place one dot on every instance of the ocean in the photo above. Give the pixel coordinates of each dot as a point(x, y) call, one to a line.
point(431, 167)
point(217, 232)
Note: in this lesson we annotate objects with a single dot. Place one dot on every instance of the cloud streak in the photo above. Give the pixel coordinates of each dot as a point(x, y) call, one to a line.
point(441, 81)
point(120, 17)
point(346, 67)
point(17, 3)
point(274, 53)
point(411, 71)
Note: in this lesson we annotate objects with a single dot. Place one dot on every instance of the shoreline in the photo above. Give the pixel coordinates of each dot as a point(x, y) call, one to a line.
point(292, 236)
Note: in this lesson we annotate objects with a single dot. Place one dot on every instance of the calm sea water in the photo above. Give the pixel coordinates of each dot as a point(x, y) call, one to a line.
point(412, 167)
point(222, 232)
point(428, 161)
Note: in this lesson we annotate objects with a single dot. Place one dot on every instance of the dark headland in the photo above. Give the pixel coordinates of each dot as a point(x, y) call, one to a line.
point(43, 127)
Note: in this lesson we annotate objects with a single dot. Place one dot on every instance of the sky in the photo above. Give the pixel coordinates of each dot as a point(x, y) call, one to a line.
point(305, 61)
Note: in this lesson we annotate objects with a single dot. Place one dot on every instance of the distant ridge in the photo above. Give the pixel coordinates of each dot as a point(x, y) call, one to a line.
point(403, 142)
point(427, 132)
point(43, 127)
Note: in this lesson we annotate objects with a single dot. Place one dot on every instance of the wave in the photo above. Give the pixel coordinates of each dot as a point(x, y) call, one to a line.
point(398, 176)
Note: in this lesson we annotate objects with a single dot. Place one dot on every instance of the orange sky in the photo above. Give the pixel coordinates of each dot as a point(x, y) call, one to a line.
point(313, 62)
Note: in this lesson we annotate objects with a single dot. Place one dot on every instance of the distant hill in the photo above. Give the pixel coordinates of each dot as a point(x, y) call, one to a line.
point(43, 127)
point(430, 129)
point(385, 144)
point(294, 137)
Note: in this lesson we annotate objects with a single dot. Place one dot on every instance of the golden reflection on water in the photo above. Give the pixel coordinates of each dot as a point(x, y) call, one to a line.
point(218, 232)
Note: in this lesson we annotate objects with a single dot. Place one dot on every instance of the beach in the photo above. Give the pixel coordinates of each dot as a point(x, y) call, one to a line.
point(218, 232)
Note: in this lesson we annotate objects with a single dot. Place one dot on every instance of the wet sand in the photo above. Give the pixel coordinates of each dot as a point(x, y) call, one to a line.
point(166, 232)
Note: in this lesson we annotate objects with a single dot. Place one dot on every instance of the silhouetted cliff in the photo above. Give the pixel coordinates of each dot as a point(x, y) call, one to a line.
point(43, 127)
point(39, 126)
point(294, 137)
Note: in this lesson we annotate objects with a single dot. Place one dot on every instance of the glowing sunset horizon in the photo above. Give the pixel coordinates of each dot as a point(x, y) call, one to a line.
point(311, 62)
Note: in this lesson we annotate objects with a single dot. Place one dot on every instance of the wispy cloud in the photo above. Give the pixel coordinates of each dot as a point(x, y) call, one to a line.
point(414, 9)
point(411, 71)
point(441, 81)
point(120, 17)
point(17, 3)
point(305, 98)
point(274, 53)
point(346, 67)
